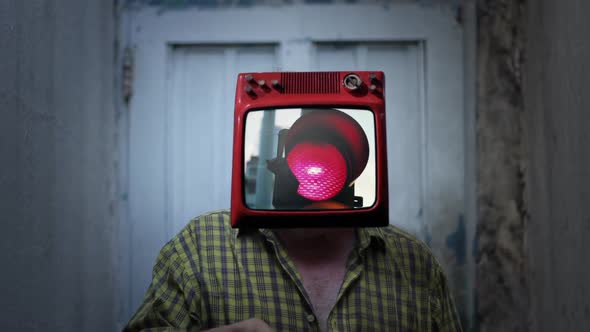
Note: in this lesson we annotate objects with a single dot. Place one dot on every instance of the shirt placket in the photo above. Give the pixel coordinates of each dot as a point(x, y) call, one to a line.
point(354, 270)
point(288, 266)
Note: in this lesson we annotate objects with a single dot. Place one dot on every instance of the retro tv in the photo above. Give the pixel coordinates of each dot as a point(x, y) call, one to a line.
point(309, 150)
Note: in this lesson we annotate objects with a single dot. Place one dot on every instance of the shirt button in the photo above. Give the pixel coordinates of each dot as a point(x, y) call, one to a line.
point(310, 318)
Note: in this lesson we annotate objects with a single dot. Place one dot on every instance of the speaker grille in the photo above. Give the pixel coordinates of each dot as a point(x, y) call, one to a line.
point(310, 83)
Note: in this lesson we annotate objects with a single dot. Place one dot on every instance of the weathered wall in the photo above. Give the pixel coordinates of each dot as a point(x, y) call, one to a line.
point(557, 117)
point(57, 148)
point(502, 297)
point(534, 166)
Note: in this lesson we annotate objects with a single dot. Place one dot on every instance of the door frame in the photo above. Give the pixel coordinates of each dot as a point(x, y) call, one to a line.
point(406, 22)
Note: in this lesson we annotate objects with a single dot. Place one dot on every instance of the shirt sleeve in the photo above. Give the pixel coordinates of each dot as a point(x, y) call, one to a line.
point(170, 301)
point(442, 306)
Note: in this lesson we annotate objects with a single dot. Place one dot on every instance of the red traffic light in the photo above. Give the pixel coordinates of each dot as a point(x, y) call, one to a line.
point(320, 170)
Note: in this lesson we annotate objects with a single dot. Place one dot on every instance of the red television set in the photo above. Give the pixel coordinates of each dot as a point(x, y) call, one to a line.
point(309, 150)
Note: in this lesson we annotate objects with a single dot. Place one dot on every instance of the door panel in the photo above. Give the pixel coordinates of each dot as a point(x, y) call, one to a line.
point(201, 126)
point(403, 77)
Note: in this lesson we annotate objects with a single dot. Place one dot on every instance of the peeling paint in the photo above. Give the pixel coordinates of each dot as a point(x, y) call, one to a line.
point(457, 242)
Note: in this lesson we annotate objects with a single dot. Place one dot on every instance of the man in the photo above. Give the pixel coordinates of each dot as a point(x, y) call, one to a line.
point(211, 276)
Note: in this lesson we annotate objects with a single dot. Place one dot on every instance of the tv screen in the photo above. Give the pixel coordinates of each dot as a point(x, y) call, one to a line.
point(309, 158)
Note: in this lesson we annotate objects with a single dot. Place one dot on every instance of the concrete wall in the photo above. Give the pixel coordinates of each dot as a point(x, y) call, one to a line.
point(557, 136)
point(57, 155)
point(534, 166)
point(502, 297)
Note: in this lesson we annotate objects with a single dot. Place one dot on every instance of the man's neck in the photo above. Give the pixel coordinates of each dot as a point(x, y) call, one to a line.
point(317, 245)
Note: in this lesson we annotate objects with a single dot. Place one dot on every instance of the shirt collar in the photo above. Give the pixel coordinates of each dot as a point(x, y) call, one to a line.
point(367, 236)
point(370, 237)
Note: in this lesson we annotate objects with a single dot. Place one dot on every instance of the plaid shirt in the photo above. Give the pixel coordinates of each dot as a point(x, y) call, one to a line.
point(211, 275)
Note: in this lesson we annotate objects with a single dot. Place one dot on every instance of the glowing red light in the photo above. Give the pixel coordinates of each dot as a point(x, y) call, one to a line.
point(319, 168)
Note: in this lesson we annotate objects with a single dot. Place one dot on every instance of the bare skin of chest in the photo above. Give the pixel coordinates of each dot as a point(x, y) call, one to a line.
point(322, 284)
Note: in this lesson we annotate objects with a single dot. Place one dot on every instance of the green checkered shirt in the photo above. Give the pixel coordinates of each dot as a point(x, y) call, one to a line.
point(211, 275)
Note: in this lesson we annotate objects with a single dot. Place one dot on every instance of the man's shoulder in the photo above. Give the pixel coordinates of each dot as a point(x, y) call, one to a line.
point(394, 235)
point(208, 229)
point(213, 219)
point(409, 251)
point(211, 225)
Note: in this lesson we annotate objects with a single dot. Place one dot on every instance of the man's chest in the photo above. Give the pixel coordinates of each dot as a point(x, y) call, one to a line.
point(322, 285)
point(374, 295)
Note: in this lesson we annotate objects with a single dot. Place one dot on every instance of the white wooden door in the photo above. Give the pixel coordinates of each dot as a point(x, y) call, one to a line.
point(180, 117)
